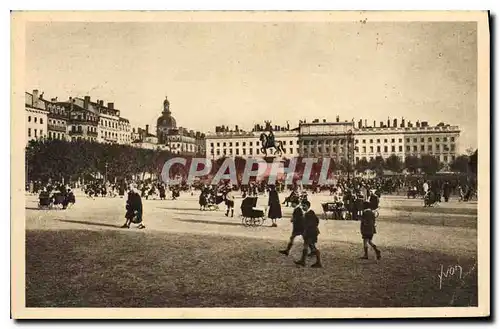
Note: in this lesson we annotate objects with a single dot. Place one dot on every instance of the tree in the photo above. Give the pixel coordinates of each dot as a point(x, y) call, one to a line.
point(362, 164)
point(473, 162)
point(429, 164)
point(377, 164)
point(412, 163)
point(394, 163)
point(460, 164)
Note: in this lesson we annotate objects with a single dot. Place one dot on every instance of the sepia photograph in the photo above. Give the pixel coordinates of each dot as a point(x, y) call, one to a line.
point(250, 164)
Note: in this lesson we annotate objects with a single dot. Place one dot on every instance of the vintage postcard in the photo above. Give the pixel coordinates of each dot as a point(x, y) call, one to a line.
point(250, 165)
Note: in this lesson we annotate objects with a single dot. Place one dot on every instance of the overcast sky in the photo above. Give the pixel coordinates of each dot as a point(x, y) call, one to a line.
point(245, 73)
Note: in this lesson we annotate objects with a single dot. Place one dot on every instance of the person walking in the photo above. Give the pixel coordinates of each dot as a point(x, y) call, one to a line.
point(274, 206)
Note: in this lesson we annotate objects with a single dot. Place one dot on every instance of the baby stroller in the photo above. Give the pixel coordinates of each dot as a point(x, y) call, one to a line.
point(44, 201)
point(430, 199)
point(251, 216)
point(214, 201)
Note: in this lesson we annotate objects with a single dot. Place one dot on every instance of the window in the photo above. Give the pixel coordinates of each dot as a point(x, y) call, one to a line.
point(378, 149)
point(291, 150)
point(29, 132)
point(378, 140)
point(414, 140)
point(251, 143)
point(400, 148)
point(257, 151)
point(218, 152)
point(364, 149)
point(371, 149)
point(437, 147)
point(452, 146)
point(250, 151)
point(35, 119)
point(445, 157)
point(231, 151)
point(50, 135)
point(401, 140)
point(407, 149)
point(218, 144)
point(407, 140)
point(385, 140)
point(371, 141)
point(284, 142)
point(445, 139)
point(386, 149)
point(291, 143)
point(35, 132)
point(29, 118)
point(452, 158)
point(393, 148)
point(244, 144)
point(393, 140)
point(429, 147)
point(452, 139)
point(211, 151)
point(230, 144)
point(211, 144)
point(422, 148)
point(224, 144)
point(437, 139)
point(224, 151)
point(41, 121)
point(244, 151)
point(364, 141)
point(421, 140)
point(257, 144)
point(414, 148)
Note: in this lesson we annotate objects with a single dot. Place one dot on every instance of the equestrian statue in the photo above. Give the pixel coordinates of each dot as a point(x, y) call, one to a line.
point(268, 141)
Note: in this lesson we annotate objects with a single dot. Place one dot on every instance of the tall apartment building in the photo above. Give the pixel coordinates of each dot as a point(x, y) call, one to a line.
point(36, 116)
point(57, 125)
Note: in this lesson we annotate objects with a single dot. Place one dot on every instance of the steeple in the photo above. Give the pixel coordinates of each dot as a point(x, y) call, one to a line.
point(166, 106)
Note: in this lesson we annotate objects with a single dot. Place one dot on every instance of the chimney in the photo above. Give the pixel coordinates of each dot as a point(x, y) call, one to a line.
point(86, 101)
point(388, 122)
point(418, 123)
point(133, 130)
point(410, 125)
point(360, 123)
point(374, 123)
point(403, 122)
point(395, 123)
point(111, 106)
point(236, 127)
point(381, 124)
point(147, 129)
point(338, 119)
point(101, 102)
point(366, 123)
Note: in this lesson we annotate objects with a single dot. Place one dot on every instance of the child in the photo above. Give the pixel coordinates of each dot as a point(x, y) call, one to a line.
point(297, 228)
point(310, 235)
point(230, 202)
point(367, 228)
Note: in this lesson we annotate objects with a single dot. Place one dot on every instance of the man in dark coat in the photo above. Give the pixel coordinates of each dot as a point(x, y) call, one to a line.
point(274, 206)
point(367, 229)
point(310, 236)
point(297, 228)
point(134, 209)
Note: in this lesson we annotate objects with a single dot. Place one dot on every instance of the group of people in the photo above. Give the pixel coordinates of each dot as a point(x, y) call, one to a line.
point(56, 195)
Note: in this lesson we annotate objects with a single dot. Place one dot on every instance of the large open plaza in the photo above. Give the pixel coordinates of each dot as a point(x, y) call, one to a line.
point(80, 257)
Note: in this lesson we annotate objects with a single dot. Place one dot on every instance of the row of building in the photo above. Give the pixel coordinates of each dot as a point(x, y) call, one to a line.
point(341, 140)
point(82, 119)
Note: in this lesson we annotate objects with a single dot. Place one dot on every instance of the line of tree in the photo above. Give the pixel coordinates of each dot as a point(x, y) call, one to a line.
point(427, 164)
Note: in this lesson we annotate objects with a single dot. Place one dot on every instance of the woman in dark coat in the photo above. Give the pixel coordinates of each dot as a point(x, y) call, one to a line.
point(274, 206)
point(134, 209)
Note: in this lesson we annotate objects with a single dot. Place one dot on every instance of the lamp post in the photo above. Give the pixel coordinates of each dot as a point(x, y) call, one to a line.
point(349, 155)
point(106, 173)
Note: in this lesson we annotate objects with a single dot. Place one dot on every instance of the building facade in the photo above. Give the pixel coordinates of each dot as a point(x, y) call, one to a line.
point(36, 116)
point(247, 144)
point(406, 139)
point(57, 125)
point(83, 119)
